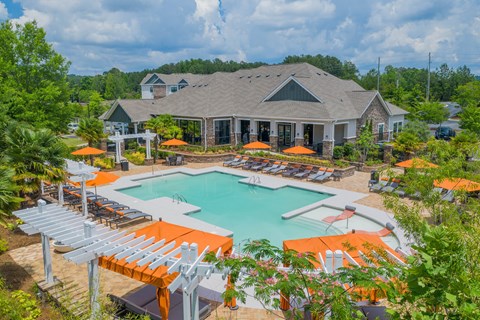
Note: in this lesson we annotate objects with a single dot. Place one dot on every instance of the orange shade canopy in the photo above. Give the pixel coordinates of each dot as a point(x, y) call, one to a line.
point(457, 184)
point(416, 163)
point(174, 142)
point(350, 242)
point(299, 150)
point(102, 178)
point(256, 145)
point(159, 277)
point(87, 151)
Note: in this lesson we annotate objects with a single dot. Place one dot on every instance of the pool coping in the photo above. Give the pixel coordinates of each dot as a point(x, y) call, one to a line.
point(181, 213)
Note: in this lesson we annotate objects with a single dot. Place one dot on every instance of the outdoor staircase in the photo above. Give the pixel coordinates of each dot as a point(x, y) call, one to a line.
point(309, 223)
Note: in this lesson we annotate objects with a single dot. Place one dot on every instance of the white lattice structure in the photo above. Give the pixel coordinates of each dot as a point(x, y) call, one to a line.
point(118, 139)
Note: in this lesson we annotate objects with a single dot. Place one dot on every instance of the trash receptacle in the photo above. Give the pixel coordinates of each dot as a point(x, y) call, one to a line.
point(124, 165)
point(374, 175)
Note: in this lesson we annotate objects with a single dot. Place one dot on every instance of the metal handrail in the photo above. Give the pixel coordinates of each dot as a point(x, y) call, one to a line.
point(179, 198)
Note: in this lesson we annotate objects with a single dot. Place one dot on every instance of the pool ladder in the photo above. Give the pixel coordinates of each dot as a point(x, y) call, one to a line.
point(179, 198)
point(254, 180)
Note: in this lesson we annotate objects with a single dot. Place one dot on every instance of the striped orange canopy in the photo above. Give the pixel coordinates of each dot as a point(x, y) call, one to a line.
point(174, 142)
point(159, 276)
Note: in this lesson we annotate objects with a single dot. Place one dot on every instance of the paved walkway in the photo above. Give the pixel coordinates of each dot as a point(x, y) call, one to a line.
point(30, 258)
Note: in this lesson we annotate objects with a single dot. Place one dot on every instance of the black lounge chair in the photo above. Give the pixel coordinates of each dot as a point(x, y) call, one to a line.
point(291, 171)
point(144, 302)
point(128, 215)
point(308, 170)
point(279, 169)
point(392, 186)
point(324, 177)
point(250, 164)
point(261, 165)
point(380, 184)
point(230, 161)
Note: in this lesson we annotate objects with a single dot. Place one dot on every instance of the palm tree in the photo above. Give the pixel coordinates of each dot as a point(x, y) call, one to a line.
point(164, 126)
point(90, 130)
point(8, 194)
point(34, 155)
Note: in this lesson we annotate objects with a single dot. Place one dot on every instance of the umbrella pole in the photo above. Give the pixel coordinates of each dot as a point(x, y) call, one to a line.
point(84, 197)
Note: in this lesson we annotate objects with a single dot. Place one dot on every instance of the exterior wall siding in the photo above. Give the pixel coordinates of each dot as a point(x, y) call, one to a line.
point(293, 91)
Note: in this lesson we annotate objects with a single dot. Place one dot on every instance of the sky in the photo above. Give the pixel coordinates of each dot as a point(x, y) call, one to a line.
point(132, 35)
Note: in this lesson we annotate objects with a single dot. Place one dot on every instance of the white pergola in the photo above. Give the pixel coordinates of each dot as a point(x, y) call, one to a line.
point(91, 241)
point(118, 139)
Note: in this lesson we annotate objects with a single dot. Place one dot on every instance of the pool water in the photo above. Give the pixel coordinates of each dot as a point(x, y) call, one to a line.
point(251, 212)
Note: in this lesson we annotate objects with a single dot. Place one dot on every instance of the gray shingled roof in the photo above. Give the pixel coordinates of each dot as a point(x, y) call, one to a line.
point(242, 93)
point(175, 78)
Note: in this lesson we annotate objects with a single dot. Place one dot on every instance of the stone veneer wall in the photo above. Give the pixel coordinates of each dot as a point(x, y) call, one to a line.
point(378, 114)
point(327, 151)
point(299, 142)
point(274, 142)
point(159, 92)
point(253, 137)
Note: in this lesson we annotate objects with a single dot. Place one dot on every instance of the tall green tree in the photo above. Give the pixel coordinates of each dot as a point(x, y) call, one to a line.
point(468, 94)
point(366, 141)
point(90, 130)
point(33, 77)
point(470, 119)
point(429, 112)
point(115, 85)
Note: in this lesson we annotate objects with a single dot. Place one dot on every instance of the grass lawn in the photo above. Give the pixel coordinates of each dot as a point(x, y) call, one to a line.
point(72, 141)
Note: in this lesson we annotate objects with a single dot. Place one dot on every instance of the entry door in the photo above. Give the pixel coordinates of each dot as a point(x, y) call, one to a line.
point(284, 135)
point(381, 127)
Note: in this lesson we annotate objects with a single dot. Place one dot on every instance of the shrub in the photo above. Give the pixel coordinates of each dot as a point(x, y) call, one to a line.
point(341, 163)
point(338, 152)
point(137, 158)
point(17, 305)
point(104, 163)
point(348, 149)
point(3, 246)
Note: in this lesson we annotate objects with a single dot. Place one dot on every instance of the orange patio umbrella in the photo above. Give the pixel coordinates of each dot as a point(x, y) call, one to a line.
point(88, 151)
point(174, 142)
point(416, 163)
point(299, 150)
point(457, 184)
point(100, 179)
point(256, 145)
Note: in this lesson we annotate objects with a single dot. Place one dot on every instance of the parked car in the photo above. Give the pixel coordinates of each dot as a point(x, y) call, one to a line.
point(445, 133)
point(72, 126)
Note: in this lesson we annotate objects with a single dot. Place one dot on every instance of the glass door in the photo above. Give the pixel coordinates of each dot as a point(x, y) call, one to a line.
point(284, 135)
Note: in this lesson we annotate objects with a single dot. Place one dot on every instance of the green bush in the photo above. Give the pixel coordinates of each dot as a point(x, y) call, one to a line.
point(341, 163)
point(136, 158)
point(3, 246)
point(338, 152)
point(104, 163)
point(348, 149)
point(17, 305)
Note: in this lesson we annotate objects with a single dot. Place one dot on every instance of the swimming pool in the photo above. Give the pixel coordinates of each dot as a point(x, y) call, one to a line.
point(251, 212)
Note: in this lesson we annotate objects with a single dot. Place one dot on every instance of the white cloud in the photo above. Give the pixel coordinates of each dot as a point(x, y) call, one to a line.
point(3, 12)
point(133, 35)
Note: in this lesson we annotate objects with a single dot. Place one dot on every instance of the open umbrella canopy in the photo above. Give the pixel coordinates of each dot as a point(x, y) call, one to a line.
point(102, 178)
point(174, 142)
point(416, 163)
point(457, 184)
point(299, 150)
point(87, 151)
point(256, 145)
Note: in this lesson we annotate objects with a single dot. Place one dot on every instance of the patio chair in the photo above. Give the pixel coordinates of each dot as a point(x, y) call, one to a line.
point(108, 212)
point(261, 165)
point(292, 171)
point(124, 216)
point(448, 196)
point(314, 175)
point(282, 168)
point(250, 164)
point(324, 177)
point(232, 161)
point(304, 173)
point(384, 181)
point(240, 163)
point(179, 161)
point(275, 165)
point(392, 186)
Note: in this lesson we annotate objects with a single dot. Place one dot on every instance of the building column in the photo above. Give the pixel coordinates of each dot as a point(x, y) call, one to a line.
point(328, 140)
point(274, 142)
point(236, 137)
point(299, 134)
point(253, 137)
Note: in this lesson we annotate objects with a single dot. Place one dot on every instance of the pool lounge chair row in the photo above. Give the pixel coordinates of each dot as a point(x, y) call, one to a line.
point(102, 208)
point(386, 184)
point(298, 171)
